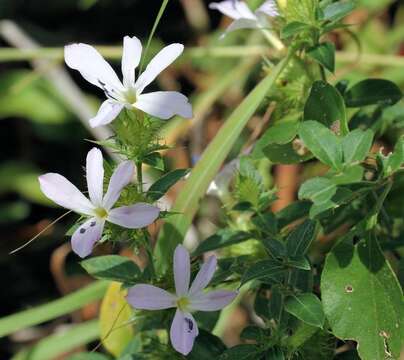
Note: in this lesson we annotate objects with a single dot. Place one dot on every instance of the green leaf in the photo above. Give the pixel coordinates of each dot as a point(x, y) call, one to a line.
point(293, 28)
point(299, 262)
point(292, 212)
point(372, 91)
point(306, 307)
point(281, 133)
point(324, 54)
point(112, 267)
point(268, 270)
point(326, 105)
point(318, 189)
point(206, 346)
point(187, 202)
point(350, 175)
point(252, 333)
point(336, 11)
point(322, 142)
point(223, 238)
point(392, 162)
point(21, 93)
point(356, 145)
point(22, 178)
point(242, 352)
point(284, 154)
point(60, 343)
point(363, 300)
point(155, 160)
point(161, 186)
point(68, 303)
point(88, 356)
point(300, 239)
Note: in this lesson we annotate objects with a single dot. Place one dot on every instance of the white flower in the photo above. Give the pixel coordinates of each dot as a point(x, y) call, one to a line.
point(129, 94)
point(186, 299)
point(243, 17)
point(99, 208)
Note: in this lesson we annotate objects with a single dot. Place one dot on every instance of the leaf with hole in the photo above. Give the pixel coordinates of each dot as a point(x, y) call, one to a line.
point(363, 300)
point(326, 105)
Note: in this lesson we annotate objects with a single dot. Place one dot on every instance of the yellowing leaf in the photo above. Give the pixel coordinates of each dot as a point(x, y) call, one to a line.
point(115, 313)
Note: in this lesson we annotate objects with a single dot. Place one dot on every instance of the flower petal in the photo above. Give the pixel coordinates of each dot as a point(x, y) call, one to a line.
point(132, 51)
point(149, 297)
point(183, 332)
point(95, 176)
point(233, 8)
point(164, 104)
point(120, 178)
point(163, 59)
point(182, 270)
point(212, 301)
point(92, 66)
point(243, 24)
point(269, 8)
point(204, 275)
point(134, 216)
point(107, 112)
point(86, 236)
point(61, 191)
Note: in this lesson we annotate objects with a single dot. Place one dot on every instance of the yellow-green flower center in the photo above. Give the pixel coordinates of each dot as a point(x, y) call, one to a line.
point(182, 303)
point(101, 213)
point(130, 96)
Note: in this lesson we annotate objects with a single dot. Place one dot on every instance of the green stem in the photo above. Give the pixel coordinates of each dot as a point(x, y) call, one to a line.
point(53, 309)
point(273, 40)
point(187, 203)
point(115, 53)
point(156, 22)
point(57, 344)
point(139, 175)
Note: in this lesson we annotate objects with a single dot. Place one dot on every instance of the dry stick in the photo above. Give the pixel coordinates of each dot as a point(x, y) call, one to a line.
point(286, 179)
point(58, 76)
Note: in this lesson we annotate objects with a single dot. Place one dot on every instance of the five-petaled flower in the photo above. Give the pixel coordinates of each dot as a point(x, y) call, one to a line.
point(129, 94)
point(184, 329)
point(243, 17)
point(99, 208)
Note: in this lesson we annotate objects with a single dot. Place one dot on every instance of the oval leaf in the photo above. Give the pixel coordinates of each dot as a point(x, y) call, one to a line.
point(112, 267)
point(322, 142)
point(326, 105)
point(306, 307)
point(115, 313)
point(373, 91)
point(324, 54)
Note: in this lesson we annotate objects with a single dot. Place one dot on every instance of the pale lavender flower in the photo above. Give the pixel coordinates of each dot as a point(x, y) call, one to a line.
point(242, 15)
point(129, 93)
point(98, 208)
point(184, 328)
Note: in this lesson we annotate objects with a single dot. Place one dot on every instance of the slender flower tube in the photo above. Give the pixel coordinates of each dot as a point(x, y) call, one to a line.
point(98, 208)
point(242, 15)
point(184, 328)
point(129, 93)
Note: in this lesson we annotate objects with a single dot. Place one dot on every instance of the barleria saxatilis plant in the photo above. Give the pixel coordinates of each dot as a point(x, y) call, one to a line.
point(285, 239)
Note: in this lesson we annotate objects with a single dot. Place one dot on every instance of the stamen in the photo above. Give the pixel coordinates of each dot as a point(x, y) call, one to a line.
point(101, 213)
